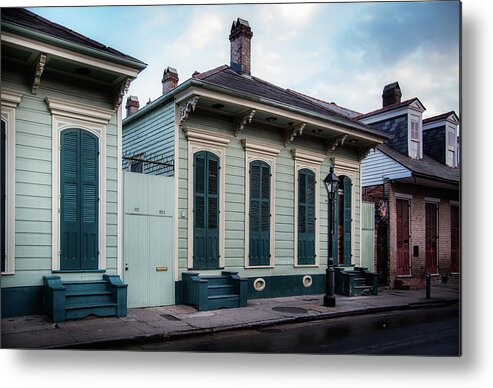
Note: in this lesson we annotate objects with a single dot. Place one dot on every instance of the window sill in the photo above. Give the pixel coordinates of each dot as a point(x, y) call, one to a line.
point(259, 266)
point(8, 273)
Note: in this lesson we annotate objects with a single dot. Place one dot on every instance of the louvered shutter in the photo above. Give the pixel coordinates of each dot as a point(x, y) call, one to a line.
point(79, 175)
point(335, 228)
point(2, 198)
point(259, 244)
point(206, 211)
point(347, 220)
point(306, 217)
point(212, 242)
point(89, 181)
point(70, 200)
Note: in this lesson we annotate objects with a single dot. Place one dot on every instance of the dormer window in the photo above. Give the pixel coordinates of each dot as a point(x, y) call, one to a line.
point(414, 150)
point(451, 139)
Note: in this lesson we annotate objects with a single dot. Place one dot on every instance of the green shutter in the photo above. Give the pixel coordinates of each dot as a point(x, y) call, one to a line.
point(259, 218)
point(79, 200)
point(335, 228)
point(306, 217)
point(206, 211)
point(4, 192)
point(347, 220)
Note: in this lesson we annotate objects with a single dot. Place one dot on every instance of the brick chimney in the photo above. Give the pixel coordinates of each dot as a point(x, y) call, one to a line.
point(240, 38)
point(391, 94)
point(132, 105)
point(170, 79)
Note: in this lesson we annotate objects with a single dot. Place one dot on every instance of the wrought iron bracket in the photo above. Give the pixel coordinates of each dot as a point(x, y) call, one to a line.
point(121, 92)
point(363, 152)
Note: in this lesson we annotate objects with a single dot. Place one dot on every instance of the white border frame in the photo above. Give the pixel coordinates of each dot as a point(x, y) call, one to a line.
point(312, 162)
point(199, 140)
point(267, 153)
point(67, 115)
point(10, 100)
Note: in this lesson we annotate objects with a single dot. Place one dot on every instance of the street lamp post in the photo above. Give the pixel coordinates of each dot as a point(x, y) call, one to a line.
point(331, 183)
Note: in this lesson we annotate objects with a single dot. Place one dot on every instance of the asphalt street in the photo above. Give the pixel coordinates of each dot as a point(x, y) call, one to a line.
point(425, 331)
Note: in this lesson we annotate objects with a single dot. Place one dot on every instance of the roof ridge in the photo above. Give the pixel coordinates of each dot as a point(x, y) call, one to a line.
point(439, 116)
point(208, 73)
point(310, 98)
point(387, 108)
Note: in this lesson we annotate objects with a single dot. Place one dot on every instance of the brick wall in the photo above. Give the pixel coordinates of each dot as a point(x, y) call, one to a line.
point(418, 232)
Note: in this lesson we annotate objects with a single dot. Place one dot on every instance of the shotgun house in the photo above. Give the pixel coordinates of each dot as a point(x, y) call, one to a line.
point(61, 147)
point(248, 162)
point(414, 180)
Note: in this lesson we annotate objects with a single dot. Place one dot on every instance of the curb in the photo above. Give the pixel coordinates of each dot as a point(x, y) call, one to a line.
point(172, 336)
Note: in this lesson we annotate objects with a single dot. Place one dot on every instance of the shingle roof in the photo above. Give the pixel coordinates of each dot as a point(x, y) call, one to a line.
point(226, 77)
point(426, 167)
point(442, 116)
point(388, 108)
point(27, 19)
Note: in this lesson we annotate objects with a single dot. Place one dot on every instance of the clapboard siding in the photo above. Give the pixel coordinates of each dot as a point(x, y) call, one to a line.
point(33, 174)
point(377, 166)
point(152, 134)
point(284, 198)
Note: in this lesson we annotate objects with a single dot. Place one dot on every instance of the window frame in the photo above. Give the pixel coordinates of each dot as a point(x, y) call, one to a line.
point(415, 118)
point(312, 162)
point(10, 100)
point(266, 153)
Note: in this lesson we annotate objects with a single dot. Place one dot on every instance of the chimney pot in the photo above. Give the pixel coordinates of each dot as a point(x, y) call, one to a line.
point(391, 94)
point(132, 105)
point(240, 38)
point(170, 79)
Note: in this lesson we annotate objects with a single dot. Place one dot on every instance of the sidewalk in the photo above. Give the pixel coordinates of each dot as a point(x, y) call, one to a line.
point(170, 322)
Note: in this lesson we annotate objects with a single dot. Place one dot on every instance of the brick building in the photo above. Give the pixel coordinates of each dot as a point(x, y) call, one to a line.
point(414, 181)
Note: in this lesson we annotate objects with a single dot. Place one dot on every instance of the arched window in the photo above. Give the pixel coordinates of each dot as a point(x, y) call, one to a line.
point(259, 229)
point(206, 211)
point(79, 201)
point(306, 217)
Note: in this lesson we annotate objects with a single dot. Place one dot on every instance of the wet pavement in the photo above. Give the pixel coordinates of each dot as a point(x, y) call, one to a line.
point(179, 321)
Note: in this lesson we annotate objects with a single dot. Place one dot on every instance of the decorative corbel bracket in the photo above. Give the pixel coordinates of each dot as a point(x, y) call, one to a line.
point(241, 120)
point(38, 72)
point(291, 132)
point(121, 92)
point(331, 144)
point(187, 107)
point(363, 152)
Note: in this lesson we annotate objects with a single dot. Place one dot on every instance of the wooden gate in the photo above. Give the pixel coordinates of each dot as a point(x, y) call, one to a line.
point(403, 253)
point(148, 239)
point(368, 235)
point(431, 251)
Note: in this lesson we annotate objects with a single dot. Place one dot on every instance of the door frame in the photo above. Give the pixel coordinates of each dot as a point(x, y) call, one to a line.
point(435, 203)
point(455, 205)
point(65, 115)
point(408, 199)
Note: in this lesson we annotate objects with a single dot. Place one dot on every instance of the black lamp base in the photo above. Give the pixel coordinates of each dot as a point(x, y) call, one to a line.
point(329, 301)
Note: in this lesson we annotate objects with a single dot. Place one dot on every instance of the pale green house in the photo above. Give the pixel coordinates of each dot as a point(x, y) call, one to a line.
point(61, 179)
point(248, 161)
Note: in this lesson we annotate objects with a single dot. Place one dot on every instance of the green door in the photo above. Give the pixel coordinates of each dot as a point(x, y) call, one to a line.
point(259, 244)
point(3, 160)
point(79, 174)
point(206, 211)
point(306, 217)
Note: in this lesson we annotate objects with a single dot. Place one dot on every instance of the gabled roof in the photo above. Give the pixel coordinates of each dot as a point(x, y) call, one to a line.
point(224, 76)
point(426, 167)
point(29, 20)
point(443, 116)
point(389, 108)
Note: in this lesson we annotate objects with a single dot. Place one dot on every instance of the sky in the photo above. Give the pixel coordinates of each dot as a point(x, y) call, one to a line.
point(338, 52)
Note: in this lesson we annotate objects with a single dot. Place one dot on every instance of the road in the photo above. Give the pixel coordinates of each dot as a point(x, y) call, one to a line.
point(430, 332)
